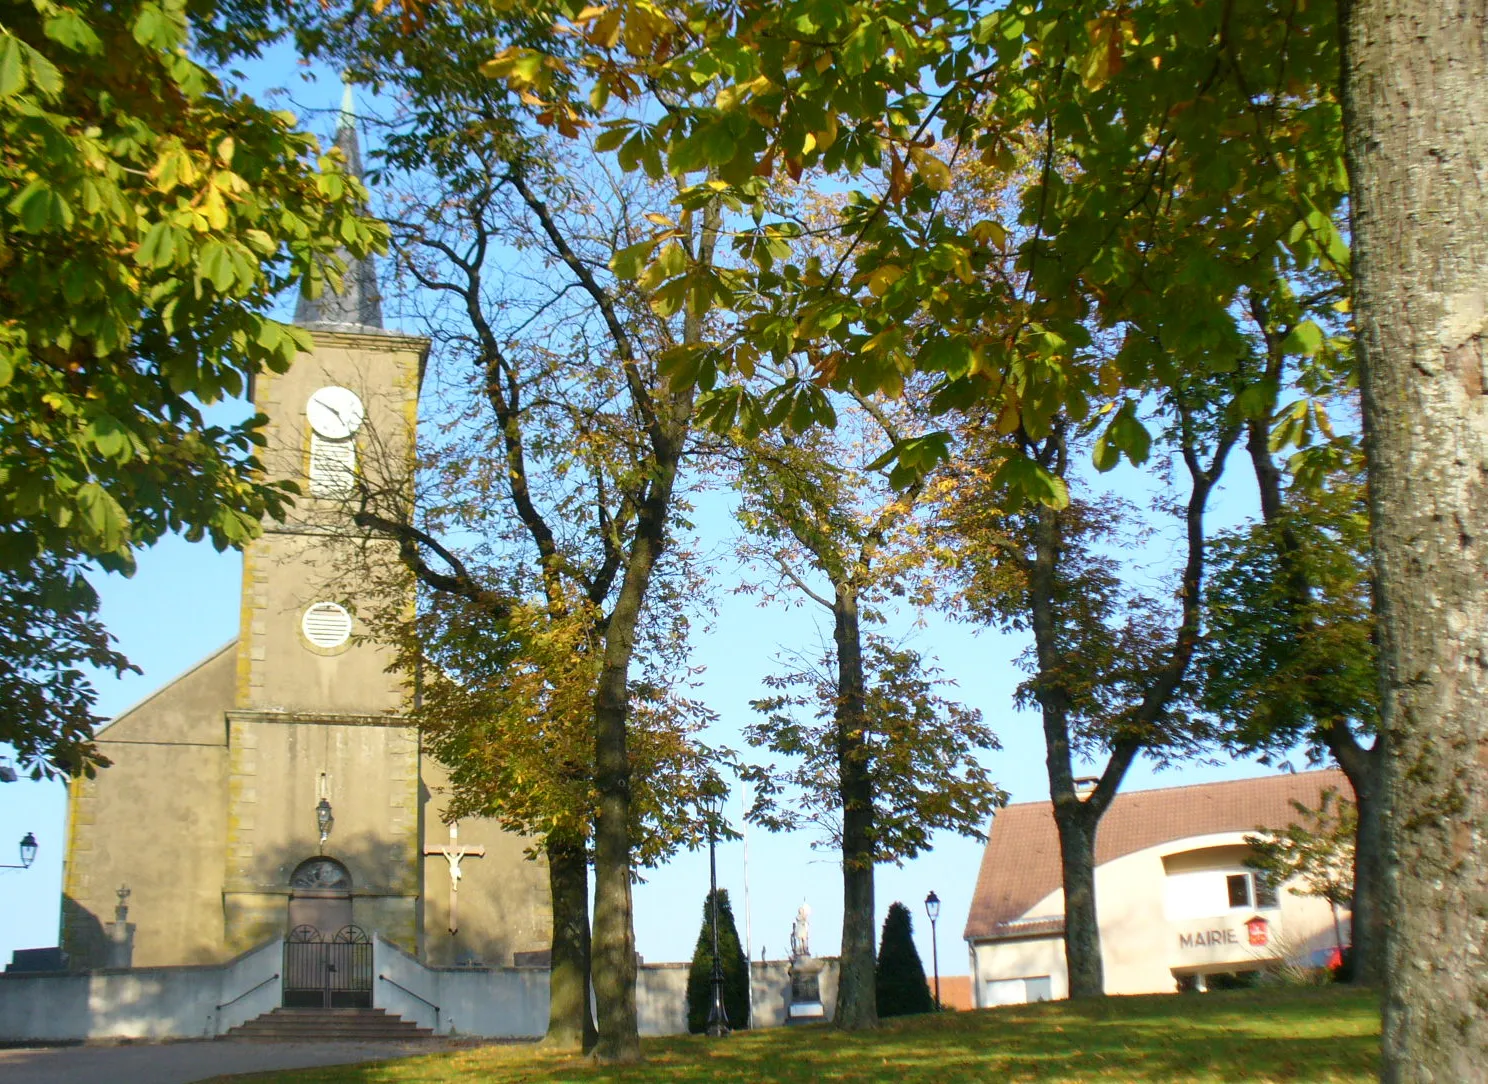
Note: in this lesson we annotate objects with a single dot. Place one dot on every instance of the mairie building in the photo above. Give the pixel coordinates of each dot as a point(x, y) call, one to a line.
point(1177, 906)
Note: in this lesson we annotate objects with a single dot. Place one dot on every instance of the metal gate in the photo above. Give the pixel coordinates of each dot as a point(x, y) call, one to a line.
point(334, 974)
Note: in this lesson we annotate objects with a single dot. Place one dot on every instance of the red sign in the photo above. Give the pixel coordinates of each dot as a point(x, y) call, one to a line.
point(1259, 931)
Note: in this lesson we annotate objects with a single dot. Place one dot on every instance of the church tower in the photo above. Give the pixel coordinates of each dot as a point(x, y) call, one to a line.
point(316, 724)
point(278, 786)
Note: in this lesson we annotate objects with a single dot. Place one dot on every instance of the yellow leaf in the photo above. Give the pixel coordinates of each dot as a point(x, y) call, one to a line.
point(935, 173)
point(884, 277)
point(659, 220)
point(215, 209)
point(990, 233)
point(590, 13)
point(606, 29)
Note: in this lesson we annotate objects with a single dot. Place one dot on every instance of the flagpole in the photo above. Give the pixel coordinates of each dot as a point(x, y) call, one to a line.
point(748, 935)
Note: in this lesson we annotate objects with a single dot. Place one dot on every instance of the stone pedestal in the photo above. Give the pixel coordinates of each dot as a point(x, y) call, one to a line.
point(121, 944)
point(805, 991)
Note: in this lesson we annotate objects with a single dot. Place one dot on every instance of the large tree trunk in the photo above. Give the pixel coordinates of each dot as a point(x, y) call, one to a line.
point(1361, 765)
point(570, 1023)
point(1082, 941)
point(857, 1003)
point(1364, 768)
point(614, 955)
point(1368, 914)
point(1415, 81)
point(1082, 954)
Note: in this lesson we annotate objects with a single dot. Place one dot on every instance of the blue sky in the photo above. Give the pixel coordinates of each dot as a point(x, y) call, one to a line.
point(182, 604)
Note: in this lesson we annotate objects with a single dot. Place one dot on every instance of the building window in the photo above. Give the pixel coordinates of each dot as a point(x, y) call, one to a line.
point(335, 414)
point(1251, 890)
point(327, 625)
point(332, 467)
point(1239, 886)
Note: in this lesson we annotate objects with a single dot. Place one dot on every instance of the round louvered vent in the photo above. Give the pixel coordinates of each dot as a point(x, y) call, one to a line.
point(326, 625)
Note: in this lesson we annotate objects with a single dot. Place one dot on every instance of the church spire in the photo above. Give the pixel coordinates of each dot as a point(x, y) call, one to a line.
point(359, 304)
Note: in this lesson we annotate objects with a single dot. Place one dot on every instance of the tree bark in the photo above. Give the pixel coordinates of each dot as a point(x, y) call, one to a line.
point(857, 1001)
point(614, 955)
point(570, 1022)
point(1082, 955)
point(1415, 97)
point(1362, 765)
point(1364, 768)
point(1082, 941)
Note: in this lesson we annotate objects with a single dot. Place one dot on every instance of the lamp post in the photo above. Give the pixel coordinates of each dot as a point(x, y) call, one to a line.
point(28, 853)
point(718, 1023)
point(932, 908)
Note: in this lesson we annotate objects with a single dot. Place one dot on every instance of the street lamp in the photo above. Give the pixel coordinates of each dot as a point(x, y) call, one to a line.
point(932, 908)
point(712, 803)
point(28, 853)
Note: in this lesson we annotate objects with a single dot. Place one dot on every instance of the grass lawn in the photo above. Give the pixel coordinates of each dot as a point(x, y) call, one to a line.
point(1326, 1034)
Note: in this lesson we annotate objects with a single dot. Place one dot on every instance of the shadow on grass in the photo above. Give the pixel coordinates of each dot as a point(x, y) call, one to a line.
point(1325, 1035)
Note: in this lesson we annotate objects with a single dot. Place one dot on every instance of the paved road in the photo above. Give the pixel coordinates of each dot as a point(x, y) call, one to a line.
point(182, 1063)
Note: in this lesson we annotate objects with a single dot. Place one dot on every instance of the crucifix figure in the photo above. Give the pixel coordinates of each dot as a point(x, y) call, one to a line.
point(452, 854)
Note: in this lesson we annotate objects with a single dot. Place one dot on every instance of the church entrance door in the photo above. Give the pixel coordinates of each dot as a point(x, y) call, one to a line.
point(327, 959)
point(328, 974)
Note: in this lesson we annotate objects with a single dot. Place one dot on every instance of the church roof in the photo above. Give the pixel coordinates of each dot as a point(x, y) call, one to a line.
point(1021, 863)
point(358, 306)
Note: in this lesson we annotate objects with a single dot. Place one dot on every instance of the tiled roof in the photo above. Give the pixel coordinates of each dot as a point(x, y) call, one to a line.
point(1021, 863)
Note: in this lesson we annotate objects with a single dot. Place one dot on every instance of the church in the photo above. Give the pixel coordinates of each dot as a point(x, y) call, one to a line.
point(277, 790)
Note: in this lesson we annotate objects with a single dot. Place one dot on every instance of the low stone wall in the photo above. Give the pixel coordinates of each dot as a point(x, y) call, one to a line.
point(199, 1002)
point(493, 1002)
point(140, 1003)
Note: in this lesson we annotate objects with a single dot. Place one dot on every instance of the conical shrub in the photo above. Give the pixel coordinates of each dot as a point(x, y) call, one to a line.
point(735, 970)
point(899, 981)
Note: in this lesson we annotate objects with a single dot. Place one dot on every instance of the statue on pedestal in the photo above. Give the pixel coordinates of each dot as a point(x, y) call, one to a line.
point(800, 940)
point(805, 972)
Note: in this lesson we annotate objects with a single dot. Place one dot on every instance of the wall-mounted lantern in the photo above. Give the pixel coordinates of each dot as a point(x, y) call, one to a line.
point(324, 820)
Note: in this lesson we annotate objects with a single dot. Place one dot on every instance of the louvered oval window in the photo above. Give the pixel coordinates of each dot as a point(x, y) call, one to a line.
point(326, 625)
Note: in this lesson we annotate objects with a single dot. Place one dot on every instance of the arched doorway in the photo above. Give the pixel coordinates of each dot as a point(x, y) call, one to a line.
point(327, 959)
point(320, 895)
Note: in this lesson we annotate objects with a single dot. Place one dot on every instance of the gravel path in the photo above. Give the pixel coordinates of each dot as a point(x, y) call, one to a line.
point(185, 1062)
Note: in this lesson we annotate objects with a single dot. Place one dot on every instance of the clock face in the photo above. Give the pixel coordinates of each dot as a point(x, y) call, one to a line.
point(335, 413)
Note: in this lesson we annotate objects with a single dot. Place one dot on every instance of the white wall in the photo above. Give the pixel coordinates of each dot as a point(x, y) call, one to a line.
point(198, 1002)
point(1146, 902)
point(499, 1002)
point(140, 1003)
point(1001, 969)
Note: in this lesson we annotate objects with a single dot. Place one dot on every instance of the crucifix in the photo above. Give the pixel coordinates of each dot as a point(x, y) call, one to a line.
point(452, 854)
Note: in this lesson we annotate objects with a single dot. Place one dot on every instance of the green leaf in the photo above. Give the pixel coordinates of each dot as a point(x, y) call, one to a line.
point(1024, 481)
point(1305, 339)
point(1127, 434)
point(110, 438)
point(12, 69)
point(103, 519)
point(627, 263)
point(68, 28)
point(44, 74)
point(611, 138)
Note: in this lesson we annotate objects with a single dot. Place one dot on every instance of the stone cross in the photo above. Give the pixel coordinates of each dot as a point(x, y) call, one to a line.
point(453, 853)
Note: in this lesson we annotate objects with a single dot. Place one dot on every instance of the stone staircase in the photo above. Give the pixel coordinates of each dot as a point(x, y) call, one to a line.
point(321, 1025)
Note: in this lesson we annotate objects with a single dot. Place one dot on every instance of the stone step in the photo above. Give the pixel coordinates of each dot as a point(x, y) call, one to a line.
point(357, 1024)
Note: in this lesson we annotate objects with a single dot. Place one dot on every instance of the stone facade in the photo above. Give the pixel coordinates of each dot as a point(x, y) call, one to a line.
point(210, 804)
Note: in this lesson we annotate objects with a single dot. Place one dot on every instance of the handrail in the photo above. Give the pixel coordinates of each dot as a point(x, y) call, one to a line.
point(272, 978)
point(410, 993)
